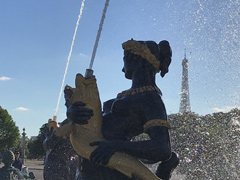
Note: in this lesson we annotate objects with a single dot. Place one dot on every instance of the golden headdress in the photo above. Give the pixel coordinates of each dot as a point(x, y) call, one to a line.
point(138, 48)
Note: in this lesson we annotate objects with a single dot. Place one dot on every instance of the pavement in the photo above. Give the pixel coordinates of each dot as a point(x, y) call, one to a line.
point(36, 167)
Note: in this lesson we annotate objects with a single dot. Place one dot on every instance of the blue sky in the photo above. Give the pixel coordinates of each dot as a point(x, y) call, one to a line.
point(35, 39)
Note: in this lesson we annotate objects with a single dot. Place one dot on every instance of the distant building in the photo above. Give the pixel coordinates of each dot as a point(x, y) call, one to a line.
point(33, 138)
point(184, 99)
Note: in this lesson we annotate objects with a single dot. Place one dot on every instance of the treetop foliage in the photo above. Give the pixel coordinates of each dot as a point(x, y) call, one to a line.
point(9, 132)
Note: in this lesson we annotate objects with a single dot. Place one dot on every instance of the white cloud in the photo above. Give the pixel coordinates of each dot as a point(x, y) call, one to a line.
point(22, 109)
point(3, 78)
point(224, 109)
point(83, 55)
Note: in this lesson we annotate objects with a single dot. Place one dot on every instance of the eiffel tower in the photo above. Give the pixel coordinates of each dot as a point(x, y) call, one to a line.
point(184, 100)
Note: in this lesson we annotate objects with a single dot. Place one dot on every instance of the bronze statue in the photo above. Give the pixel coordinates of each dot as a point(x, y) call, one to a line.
point(10, 172)
point(58, 164)
point(134, 111)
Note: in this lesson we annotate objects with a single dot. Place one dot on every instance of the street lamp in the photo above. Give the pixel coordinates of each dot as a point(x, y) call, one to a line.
point(23, 145)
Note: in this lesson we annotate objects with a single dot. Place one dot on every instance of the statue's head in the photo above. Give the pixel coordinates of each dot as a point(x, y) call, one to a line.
point(67, 95)
point(8, 158)
point(157, 55)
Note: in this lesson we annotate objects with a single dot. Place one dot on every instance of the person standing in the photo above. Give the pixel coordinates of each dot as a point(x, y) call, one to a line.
point(18, 162)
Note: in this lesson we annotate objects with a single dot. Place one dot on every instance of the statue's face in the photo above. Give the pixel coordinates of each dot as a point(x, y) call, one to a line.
point(129, 66)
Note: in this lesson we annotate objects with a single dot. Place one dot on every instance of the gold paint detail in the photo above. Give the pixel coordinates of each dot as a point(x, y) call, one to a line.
point(142, 50)
point(156, 122)
point(139, 90)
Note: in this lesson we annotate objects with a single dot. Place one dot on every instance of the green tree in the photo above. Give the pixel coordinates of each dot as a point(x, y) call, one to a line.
point(9, 132)
point(35, 147)
point(31, 149)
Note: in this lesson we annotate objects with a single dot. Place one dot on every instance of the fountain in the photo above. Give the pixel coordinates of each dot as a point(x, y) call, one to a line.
point(211, 31)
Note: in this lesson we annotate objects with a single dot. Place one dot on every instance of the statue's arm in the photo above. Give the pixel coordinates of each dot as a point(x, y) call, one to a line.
point(153, 150)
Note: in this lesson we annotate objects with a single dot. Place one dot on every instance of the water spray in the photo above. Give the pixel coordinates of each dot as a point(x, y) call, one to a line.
point(89, 71)
point(68, 59)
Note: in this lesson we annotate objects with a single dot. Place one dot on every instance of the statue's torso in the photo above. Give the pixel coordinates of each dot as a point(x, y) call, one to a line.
point(124, 117)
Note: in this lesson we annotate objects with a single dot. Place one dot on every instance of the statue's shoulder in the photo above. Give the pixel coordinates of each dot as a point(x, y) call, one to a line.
point(2, 174)
point(150, 97)
point(108, 104)
point(11, 172)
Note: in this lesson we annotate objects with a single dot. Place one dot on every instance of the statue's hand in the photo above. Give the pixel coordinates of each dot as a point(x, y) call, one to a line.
point(79, 114)
point(102, 154)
